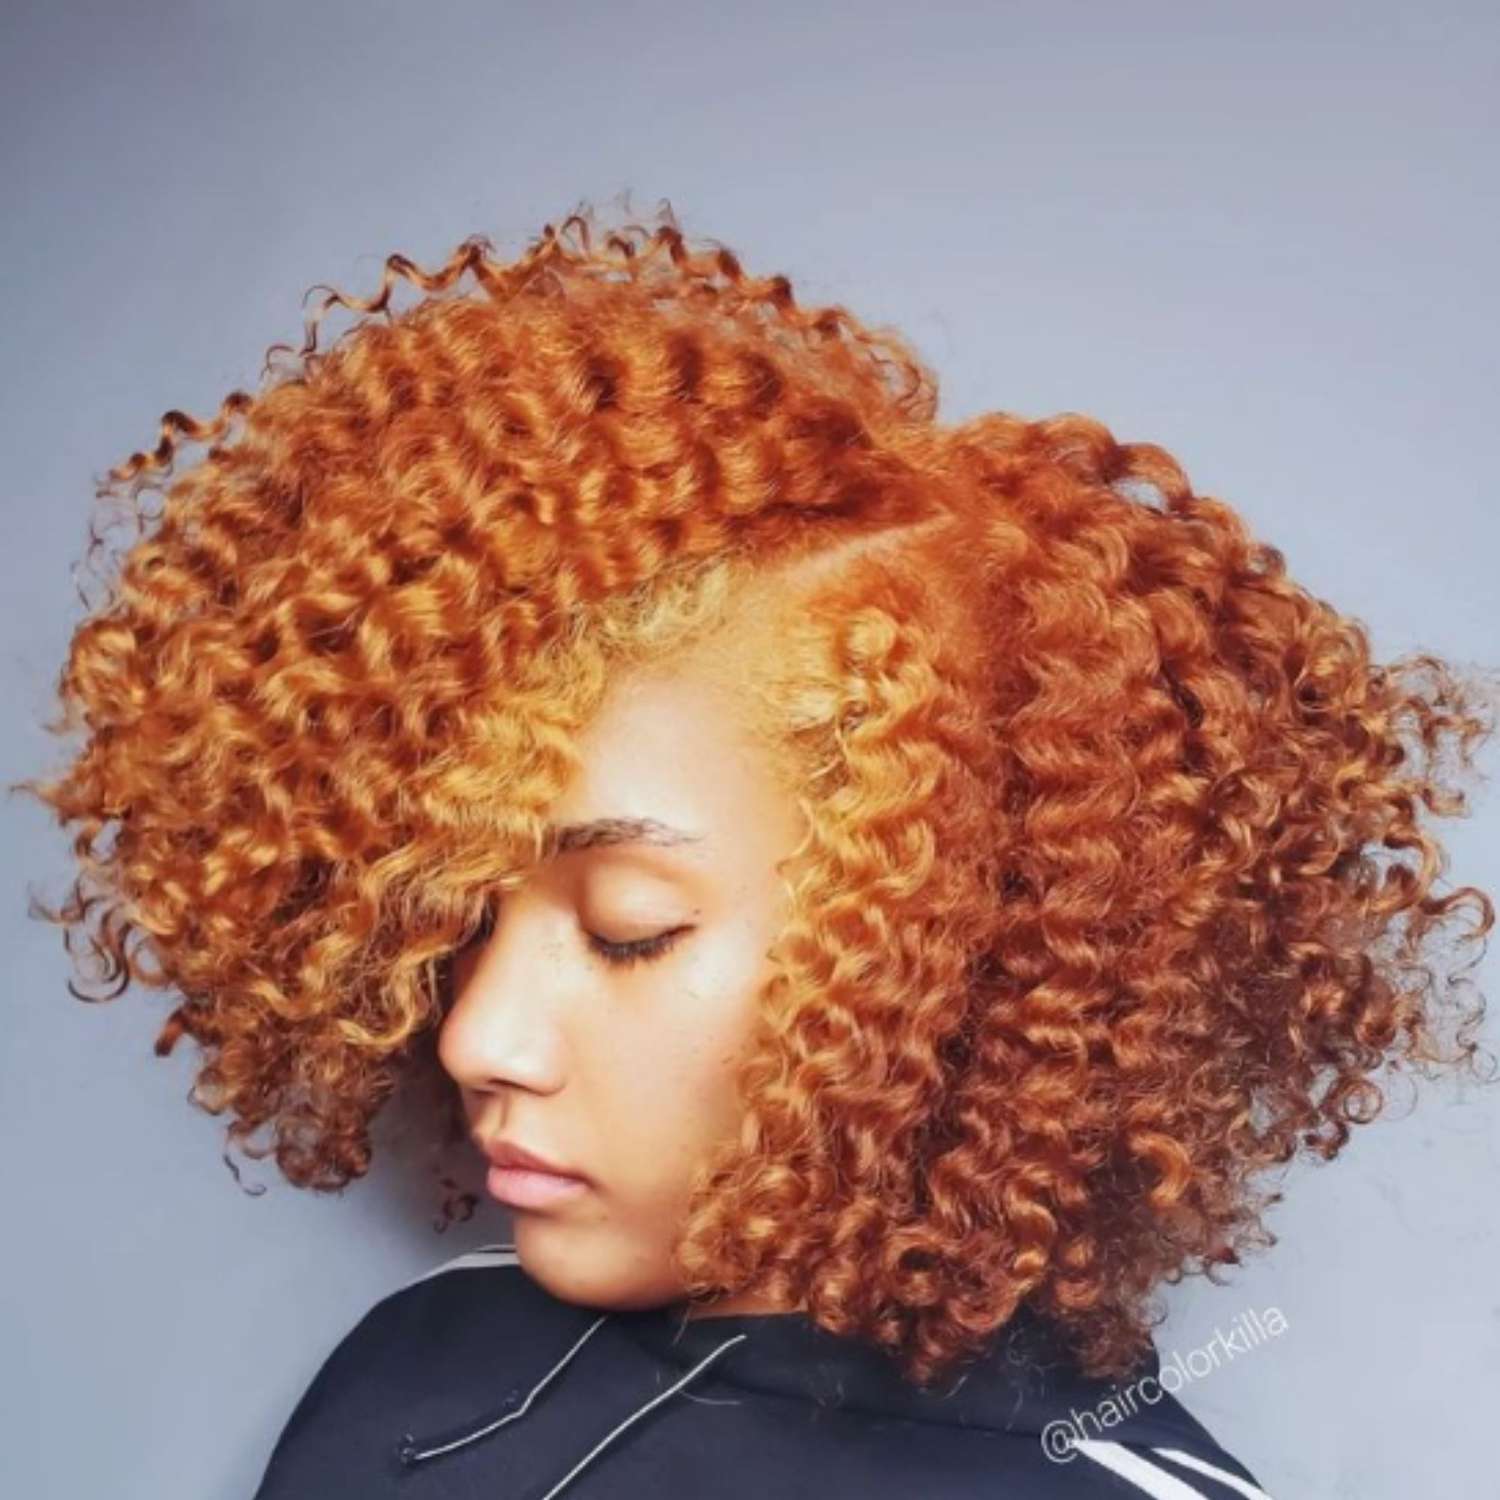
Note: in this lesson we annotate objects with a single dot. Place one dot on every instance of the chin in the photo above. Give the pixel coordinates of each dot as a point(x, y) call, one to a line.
point(591, 1270)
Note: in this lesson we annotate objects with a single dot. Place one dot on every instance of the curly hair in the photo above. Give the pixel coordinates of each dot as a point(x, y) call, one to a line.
point(1091, 926)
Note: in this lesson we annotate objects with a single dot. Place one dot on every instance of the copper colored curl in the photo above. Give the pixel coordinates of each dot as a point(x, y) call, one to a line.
point(1122, 885)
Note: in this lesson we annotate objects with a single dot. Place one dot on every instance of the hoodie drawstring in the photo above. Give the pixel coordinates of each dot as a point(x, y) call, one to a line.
point(410, 1454)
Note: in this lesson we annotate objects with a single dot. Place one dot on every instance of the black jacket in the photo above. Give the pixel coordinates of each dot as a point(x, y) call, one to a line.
point(473, 1381)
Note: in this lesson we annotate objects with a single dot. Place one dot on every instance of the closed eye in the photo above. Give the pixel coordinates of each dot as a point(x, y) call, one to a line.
point(640, 951)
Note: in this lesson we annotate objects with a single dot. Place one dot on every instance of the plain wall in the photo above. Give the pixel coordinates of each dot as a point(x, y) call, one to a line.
point(1262, 236)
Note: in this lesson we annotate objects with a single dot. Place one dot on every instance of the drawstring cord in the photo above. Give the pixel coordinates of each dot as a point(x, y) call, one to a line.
point(410, 1454)
point(610, 1436)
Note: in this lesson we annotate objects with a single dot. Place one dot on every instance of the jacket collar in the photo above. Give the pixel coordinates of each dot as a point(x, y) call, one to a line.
point(1021, 1383)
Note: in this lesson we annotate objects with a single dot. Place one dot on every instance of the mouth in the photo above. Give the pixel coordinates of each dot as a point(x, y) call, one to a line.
point(525, 1187)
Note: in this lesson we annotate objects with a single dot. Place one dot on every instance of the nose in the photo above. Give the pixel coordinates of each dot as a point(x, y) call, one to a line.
point(504, 1027)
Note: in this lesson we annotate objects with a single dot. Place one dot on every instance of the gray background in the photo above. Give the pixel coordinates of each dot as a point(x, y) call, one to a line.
point(1263, 236)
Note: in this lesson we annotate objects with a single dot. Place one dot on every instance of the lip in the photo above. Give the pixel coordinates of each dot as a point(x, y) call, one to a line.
point(519, 1187)
point(521, 1179)
point(506, 1155)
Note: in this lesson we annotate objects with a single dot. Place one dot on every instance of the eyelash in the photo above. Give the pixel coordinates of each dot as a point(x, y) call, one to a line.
point(618, 955)
point(622, 955)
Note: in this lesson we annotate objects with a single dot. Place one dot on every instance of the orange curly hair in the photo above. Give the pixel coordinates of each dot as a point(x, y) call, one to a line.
point(1090, 927)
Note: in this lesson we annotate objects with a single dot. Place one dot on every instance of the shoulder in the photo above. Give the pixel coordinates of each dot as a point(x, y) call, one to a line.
point(468, 1296)
point(414, 1352)
point(469, 1311)
point(1143, 1441)
point(499, 1256)
point(487, 1275)
point(453, 1320)
point(1163, 1471)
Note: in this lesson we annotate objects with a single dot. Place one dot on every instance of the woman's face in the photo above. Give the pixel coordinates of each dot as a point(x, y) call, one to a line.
point(621, 1069)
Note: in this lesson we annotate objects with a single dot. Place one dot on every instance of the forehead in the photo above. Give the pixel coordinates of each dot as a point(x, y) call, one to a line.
point(670, 745)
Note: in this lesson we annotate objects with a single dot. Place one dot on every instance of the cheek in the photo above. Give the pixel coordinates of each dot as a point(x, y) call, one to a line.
point(688, 1082)
point(713, 1018)
point(683, 1080)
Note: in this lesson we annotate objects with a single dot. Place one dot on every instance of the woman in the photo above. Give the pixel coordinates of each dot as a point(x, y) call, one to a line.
point(880, 893)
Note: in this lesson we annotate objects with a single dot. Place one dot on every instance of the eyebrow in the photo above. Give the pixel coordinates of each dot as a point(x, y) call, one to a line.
point(603, 833)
